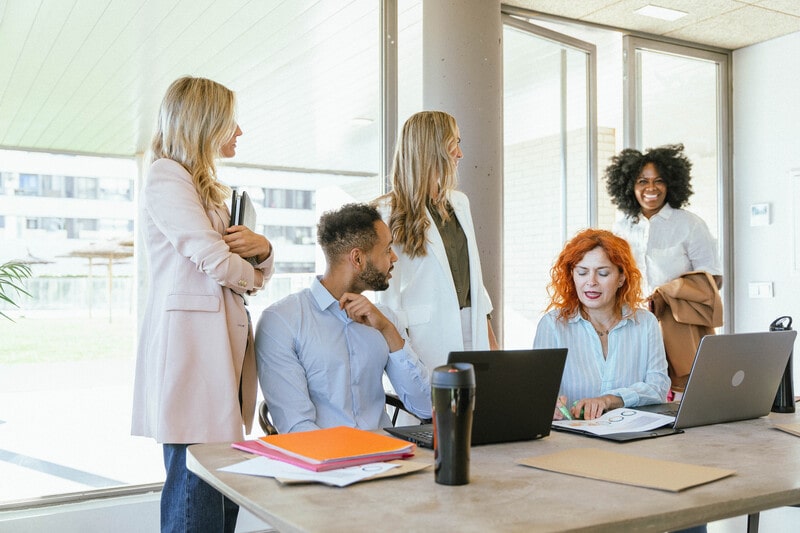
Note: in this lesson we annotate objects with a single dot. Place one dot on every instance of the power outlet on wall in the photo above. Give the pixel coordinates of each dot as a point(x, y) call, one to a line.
point(759, 289)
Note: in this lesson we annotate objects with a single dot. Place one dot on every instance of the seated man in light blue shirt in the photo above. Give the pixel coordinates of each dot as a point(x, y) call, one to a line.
point(322, 352)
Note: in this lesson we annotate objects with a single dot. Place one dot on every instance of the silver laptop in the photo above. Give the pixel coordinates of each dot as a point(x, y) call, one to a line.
point(516, 392)
point(734, 377)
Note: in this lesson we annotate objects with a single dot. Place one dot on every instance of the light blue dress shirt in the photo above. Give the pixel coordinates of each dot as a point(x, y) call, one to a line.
point(635, 368)
point(320, 369)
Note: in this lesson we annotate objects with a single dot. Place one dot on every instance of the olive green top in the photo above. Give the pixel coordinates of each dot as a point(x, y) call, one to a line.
point(455, 244)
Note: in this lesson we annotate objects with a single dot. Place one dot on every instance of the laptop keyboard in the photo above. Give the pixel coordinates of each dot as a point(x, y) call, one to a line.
point(422, 437)
point(667, 409)
point(670, 411)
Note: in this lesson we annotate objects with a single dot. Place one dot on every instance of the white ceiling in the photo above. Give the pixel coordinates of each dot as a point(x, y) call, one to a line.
point(86, 76)
point(728, 24)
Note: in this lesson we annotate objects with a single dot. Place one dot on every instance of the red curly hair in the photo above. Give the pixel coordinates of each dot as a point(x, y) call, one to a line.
point(562, 291)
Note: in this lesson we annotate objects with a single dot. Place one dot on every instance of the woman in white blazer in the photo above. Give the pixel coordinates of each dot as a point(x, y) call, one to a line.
point(195, 371)
point(437, 287)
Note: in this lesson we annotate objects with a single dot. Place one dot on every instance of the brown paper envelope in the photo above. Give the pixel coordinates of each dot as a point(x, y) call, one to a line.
point(627, 469)
point(406, 467)
point(794, 429)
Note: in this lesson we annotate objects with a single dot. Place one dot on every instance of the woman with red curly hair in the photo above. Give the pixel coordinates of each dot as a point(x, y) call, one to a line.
point(616, 353)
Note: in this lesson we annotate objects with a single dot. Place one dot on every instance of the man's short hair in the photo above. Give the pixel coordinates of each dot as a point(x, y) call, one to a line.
point(350, 226)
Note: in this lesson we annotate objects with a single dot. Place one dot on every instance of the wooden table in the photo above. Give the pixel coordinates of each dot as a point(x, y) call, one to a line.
point(504, 496)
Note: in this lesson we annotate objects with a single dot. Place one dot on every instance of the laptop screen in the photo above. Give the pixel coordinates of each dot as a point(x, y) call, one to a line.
point(516, 392)
point(734, 377)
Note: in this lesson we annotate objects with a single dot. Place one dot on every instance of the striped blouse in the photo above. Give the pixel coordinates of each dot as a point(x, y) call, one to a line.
point(635, 368)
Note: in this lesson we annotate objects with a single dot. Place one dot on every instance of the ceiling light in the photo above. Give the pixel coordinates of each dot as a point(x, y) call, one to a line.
point(662, 13)
point(361, 121)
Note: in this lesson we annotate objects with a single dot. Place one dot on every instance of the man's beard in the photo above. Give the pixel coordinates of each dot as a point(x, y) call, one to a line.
point(373, 279)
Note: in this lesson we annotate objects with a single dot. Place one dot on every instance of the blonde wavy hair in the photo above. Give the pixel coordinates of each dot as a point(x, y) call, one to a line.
point(423, 175)
point(196, 119)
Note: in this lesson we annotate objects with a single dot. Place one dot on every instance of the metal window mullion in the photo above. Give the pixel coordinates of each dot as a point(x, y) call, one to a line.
point(388, 84)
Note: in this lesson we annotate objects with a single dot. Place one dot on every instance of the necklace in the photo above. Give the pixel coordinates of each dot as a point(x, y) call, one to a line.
point(600, 332)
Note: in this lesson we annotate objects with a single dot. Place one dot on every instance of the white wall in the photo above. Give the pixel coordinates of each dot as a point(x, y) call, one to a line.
point(766, 119)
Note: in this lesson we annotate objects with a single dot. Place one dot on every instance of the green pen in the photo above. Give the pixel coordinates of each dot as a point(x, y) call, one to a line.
point(573, 405)
point(565, 412)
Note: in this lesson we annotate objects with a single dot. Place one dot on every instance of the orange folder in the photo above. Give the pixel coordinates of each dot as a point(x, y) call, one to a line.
point(337, 444)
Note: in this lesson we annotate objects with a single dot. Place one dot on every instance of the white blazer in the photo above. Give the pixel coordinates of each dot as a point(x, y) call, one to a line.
point(423, 296)
point(191, 352)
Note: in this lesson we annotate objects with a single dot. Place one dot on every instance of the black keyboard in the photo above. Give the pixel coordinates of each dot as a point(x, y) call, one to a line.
point(667, 409)
point(422, 437)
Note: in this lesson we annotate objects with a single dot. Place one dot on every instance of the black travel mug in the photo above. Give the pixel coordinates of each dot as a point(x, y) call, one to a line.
point(453, 395)
point(784, 398)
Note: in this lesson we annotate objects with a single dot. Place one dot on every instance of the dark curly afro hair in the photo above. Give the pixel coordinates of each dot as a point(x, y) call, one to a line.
point(672, 165)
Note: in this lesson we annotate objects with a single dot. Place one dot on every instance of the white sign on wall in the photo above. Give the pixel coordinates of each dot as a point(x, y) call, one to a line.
point(759, 215)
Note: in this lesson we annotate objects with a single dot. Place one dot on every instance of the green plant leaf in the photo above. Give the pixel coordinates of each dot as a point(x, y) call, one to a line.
point(11, 276)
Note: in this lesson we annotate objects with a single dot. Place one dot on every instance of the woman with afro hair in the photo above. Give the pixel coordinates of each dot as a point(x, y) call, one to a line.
point(674, 250)
point(651, 190)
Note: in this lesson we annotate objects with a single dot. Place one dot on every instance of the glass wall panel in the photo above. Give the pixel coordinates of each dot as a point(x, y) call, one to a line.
point(66, 363)
point(409, 59)
point(678, 103)
point(680, 94)
point(547, 169)
point(609, 98)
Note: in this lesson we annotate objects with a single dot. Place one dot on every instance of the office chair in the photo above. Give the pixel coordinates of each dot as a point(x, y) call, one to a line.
point(392, 401)
point(264, 419)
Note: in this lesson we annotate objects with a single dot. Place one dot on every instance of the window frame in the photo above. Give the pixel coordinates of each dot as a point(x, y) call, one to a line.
point(632, 134)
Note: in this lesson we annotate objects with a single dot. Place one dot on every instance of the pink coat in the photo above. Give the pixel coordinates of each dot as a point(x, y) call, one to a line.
point(194, 330)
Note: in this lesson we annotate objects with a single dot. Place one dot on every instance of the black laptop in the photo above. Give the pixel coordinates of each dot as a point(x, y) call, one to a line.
point(516, 392)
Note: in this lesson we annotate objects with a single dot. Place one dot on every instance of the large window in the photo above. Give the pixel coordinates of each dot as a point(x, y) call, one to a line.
point(549, 150)
point(677, 94)
point(663, 94)
point(66, 363)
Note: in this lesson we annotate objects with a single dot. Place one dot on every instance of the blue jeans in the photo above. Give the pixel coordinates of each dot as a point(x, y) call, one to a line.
point(189, 504)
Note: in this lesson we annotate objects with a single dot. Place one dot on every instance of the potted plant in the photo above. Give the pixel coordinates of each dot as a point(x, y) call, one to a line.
point(11, 275)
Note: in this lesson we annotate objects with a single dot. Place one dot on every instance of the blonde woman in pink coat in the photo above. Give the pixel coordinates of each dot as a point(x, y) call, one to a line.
point(195, 371)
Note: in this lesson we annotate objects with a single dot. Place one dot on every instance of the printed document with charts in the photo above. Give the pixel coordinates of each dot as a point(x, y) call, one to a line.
point(622, 420)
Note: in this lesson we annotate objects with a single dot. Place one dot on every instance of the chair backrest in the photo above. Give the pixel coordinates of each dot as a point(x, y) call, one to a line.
point(393, 401)
point(264, 419)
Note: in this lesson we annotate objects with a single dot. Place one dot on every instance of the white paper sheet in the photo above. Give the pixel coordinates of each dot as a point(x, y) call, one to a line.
point(620, 420)
point(341, 477)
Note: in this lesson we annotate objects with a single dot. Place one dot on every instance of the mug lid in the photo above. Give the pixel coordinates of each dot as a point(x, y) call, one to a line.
point(453, 375)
